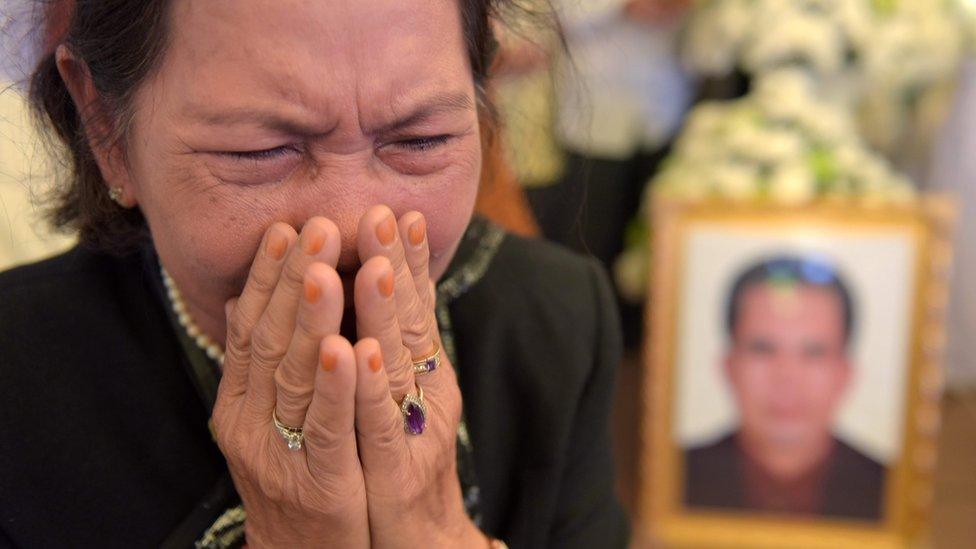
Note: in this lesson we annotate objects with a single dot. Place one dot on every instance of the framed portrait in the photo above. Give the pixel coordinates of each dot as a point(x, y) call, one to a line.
point(792, 373)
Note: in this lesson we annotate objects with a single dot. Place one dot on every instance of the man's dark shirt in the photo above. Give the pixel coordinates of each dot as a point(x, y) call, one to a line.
point(847, 485)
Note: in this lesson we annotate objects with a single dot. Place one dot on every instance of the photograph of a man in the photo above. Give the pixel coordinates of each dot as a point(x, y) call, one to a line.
point(790, 323)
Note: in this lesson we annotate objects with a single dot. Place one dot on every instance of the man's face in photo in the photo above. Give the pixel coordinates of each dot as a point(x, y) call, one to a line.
point(788, 367)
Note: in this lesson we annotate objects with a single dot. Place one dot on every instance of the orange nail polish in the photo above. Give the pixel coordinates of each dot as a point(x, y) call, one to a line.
point(312, 291)
point(328, 360)
point(417, 231)
point(275, 246)
point(375, 362)
point(312, 242)
point(385, 284)
point(386, 231)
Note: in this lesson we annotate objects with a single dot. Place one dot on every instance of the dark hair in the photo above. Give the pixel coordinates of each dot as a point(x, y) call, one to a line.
point(791, 270)
point(121, 42)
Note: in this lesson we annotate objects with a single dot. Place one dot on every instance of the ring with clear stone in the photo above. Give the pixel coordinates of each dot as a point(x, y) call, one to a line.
point(294, 436)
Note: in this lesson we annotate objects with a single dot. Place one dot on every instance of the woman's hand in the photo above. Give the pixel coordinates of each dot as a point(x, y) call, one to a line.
point(284, 357)
point(360, 478)
point(412, 489)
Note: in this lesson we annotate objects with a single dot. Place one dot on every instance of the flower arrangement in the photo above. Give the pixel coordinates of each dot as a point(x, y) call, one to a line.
point(902, 43)
point(781, 144)
point(832, 83)
point(880, 57)
point(757, 35)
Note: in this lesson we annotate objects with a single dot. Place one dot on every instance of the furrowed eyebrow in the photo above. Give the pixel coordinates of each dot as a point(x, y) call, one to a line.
point(445, 102)
point(436, 104)
point(246, 115)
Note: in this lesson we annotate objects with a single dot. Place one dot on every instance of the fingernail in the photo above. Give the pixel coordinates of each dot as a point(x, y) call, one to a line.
point(386, 231)
point(312, 241)
point(375, 362)
point(312, 291)
point(417, 231)
point(275, 246)
point(328, 360)
point(385, 284)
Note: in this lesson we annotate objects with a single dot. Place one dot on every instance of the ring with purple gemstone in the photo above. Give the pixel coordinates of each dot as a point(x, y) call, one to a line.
point(414, 413)
point(429, 363)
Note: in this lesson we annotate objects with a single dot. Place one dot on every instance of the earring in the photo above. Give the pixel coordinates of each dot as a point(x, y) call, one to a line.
point(115, 193)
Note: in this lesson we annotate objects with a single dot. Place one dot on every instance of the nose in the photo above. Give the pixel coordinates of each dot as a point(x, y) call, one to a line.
point(340, 192)
point(345, 187)
point(356, 218)
point(787, 375)
point(347, 223)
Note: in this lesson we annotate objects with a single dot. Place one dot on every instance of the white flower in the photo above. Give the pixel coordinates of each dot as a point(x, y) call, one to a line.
point(793, 35)
point(745, 140)
point(792, 184)
point(827, 123)
point(780, 145)
point(736, 181)
point(849, 157)
point(707, 117)
point(780, 98)
point(857, 21)
point(714, 35)
point(783, 83)
point(855, 52)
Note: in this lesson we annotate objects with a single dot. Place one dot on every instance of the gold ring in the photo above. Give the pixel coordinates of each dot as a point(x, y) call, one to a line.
point(294, 436)
point(429, 363)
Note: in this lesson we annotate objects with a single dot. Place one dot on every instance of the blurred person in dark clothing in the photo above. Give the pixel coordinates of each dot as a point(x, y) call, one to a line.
point(620, 96)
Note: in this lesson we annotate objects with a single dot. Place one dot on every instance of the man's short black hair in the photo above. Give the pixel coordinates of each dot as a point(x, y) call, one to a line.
point(786, 269)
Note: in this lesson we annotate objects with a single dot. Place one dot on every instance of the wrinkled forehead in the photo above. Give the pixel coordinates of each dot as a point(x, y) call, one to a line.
point(322, 55)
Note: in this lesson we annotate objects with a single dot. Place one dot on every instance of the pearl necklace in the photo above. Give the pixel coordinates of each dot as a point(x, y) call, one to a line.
point(203, 341)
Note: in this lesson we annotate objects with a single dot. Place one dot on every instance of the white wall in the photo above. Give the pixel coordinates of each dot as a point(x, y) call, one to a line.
point(24, 175)
point(954, 169)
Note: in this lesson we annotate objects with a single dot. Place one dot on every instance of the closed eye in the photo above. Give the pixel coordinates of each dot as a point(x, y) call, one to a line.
point(423, 143)
point(262, 155)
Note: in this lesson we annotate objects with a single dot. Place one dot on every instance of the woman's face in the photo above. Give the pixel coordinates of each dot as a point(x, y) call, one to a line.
point(268, 110)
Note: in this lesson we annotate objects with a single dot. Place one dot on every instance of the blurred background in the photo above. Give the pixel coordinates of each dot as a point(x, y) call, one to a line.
point(603, 102)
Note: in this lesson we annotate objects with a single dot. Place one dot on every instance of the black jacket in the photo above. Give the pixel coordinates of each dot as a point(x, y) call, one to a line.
point(104, 439)
point(852, 487)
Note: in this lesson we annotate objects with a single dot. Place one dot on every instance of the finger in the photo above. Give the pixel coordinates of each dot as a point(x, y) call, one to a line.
point(379, 424)
point(378, 236)
point(329, 427)
point(432, 289)
point(319, 315)
point(233, 379)
point(413, 233)
point(319, 241)
point(244, 312)
point(376, 318)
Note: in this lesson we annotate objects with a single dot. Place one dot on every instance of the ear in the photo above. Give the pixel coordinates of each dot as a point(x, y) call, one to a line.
point(97, 123)
point(727, 361)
